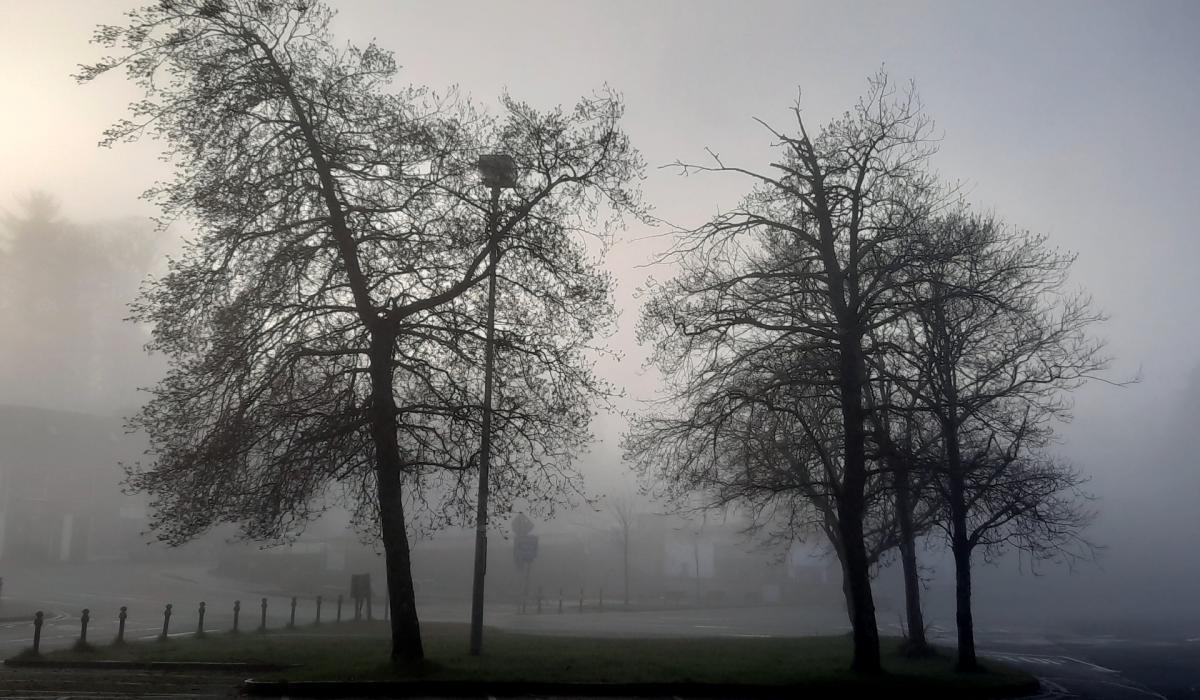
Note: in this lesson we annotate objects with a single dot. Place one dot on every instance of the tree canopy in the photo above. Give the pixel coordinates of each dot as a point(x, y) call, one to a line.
point(324, 323)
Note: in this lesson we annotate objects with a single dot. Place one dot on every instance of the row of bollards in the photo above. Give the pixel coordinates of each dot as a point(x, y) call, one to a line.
point(85, 619)
point(541, 598)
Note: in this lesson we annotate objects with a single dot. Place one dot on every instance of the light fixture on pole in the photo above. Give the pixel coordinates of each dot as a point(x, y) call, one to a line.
point(497, 171)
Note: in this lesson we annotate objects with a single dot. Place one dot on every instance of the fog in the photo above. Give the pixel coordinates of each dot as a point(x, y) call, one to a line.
point(1072, 119)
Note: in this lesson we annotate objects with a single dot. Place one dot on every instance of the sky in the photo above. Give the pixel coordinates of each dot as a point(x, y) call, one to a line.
point(1072, 119)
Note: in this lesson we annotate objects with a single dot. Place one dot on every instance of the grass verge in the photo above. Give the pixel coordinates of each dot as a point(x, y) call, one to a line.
point(359, 652)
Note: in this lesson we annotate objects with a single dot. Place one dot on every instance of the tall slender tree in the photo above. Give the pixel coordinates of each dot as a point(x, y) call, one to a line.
point(995, 342)
point(905, 446)
point(810, 259)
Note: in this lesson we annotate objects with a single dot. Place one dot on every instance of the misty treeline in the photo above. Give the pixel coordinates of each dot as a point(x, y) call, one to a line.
point(853, 351)
point(65, 285)
point(847, 350)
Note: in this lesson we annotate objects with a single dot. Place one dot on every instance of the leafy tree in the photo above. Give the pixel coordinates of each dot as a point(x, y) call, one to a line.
point(324, 325)
point(803, 271)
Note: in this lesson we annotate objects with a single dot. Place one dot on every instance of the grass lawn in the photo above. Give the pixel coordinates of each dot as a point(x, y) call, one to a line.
point(359, 651)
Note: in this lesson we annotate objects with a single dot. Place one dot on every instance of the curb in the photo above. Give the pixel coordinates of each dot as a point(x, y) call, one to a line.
point(337, 689)
point(150, 665)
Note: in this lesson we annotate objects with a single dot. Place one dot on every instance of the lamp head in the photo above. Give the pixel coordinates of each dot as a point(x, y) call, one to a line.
point(498, 170)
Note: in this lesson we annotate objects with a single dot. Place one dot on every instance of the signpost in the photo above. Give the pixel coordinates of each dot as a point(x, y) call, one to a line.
point(525, 549)
point(360, 591)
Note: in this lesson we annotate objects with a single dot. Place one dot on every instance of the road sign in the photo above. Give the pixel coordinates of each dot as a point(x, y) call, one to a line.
point(525, 548)
point(360, 586)
point(522, 525)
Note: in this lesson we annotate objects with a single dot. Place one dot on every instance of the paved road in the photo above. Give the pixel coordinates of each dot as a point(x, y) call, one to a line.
point(1115, 669)
point(1117, 662)
point(44, 684)
point(1122, 664)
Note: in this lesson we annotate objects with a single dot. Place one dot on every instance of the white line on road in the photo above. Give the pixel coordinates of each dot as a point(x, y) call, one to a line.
point(1091, 665)
point(1040, 660)
point(1143, 691)
point(1019, 658)
point(1051, 690)
point(1016, 657)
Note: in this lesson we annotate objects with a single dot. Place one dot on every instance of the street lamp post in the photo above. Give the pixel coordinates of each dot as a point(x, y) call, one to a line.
point(497, 171)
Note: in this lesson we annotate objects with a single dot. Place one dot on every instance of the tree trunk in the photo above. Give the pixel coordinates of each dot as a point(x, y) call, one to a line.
point(406, 630)
point(960, 544)
point(851, 511)
point(857, 577)
point(847, 594)
point(908, 559)
point(961, 548)
point(832, 534)
point(626, 562)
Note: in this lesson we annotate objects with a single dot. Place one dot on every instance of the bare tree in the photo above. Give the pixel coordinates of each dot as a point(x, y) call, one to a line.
point(905, 453)
point(624, 513)
point(993, 344)
point(807, 266)
point(767, 443)
point(320, 324)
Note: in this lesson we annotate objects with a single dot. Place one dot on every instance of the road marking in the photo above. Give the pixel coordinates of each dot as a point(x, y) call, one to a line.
point(1041, 660)
point(1143, 691)
point(1091, 665)
point(1022, 658)
point(1055, 688)
point(173, 634)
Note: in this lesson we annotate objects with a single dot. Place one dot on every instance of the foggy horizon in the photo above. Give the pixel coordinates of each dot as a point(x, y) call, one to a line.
point(1071, 120)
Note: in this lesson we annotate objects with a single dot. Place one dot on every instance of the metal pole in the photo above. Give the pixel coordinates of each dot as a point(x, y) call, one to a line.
point(37, 632)
point(166, 623)
point(525, 587)
point(485, 443)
